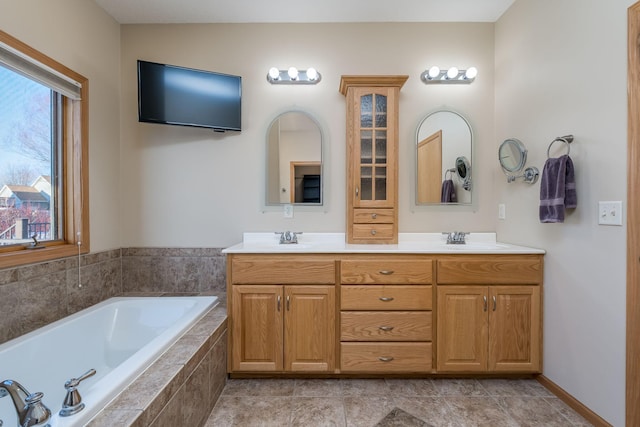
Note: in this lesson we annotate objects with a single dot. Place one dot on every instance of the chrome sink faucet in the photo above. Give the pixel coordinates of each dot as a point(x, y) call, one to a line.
point(31, 411)
point(456, 237)
point(288, 237)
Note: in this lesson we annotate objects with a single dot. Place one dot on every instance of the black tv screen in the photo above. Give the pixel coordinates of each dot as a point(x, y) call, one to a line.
point(175, 95)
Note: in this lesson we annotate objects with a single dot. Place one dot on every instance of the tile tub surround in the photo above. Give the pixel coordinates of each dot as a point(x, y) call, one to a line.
point(181, 386)
point(390, 402)
point(49, 291)
point(174, 270)
point(32, 296)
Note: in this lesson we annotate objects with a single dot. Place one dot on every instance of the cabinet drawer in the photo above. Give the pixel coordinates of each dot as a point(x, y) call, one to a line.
point(382, 297)
point(373, 216)
point(385, 357)
point(276, 270)
point(385, 326)
point(386, 271)
point(373, 231)
point(490, 270)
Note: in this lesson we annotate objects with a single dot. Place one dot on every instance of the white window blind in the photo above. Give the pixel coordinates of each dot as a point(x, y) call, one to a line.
point(35, 70)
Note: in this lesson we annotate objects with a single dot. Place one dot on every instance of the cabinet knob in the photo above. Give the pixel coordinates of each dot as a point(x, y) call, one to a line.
point(386, 328)
point(385, 359)
point(386, 272)
point(484, 299)
point(494, 303)
point(386, 299)
point(374, 215)
point(357, 191)
point(279, 301)
point(373, 232)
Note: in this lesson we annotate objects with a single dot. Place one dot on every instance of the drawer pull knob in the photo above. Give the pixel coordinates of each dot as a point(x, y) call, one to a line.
point(385, 359)
point(373, 232)
point(386, 328)
point(386, 272)
point(386, 299)
point(374, 215)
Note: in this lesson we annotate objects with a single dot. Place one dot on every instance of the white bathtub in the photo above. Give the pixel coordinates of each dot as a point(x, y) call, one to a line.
point(119, 338)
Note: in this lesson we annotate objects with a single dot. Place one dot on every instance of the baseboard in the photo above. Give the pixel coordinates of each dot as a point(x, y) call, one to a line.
point(574, 403)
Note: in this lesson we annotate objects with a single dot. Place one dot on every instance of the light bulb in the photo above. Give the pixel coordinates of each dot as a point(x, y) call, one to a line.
point(274, 73)
point(434, 72)
point(293, 73)
point(312, 74)
point(471, 73)
point(452, 73)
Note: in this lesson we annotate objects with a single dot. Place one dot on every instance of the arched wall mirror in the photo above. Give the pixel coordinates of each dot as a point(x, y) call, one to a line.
point(443, 159)
point(294, 160)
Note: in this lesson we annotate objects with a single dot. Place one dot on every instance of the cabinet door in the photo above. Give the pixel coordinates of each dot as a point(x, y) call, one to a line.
point(514, 328)
point(257, 328)
point(374, 147)
point(309, 328)
point(462, 328)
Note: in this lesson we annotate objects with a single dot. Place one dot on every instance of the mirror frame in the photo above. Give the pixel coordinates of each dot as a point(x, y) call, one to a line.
point(322, 159)
point(470, 159)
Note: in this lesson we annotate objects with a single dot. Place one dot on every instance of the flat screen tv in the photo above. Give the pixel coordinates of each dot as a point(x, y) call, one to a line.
point(174, 95)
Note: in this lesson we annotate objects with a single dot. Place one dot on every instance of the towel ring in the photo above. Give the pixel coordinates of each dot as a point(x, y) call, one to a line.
point(449, 171)
point(567, 139)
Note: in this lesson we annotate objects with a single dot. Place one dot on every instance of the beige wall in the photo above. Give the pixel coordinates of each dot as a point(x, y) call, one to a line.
point(191, 187)
point(561, 69)
point(90, 45)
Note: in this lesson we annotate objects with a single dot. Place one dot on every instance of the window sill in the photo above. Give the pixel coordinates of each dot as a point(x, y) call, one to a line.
point(33, 256)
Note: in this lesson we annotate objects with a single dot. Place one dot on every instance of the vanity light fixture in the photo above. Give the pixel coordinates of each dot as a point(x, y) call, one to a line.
point(292, 75)
point(451, 76)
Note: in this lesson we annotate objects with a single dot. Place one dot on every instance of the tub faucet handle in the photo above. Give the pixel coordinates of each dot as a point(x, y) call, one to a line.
point(73, 401)
point(36, 413)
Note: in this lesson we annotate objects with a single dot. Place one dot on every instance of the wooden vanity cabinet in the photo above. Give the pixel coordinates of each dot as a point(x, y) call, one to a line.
point(372, 157)
point(489, 314)
point(386, 314)
point(282, 314)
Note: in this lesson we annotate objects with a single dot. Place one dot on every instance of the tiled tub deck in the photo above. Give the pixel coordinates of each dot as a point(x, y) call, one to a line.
point(182, 386)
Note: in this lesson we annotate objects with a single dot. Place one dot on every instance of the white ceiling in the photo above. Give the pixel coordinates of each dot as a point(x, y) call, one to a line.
point(301, 11)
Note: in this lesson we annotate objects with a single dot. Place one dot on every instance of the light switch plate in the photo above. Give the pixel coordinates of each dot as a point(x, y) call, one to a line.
point(288, 211)
point(502, 211)
point(610, 213)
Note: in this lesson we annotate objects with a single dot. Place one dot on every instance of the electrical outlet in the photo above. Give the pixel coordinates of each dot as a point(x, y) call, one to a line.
point(288, 211)
point(502, 211)
point(610, 213)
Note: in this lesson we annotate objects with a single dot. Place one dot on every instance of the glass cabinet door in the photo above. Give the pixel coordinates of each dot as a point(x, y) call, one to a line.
point(372, 130)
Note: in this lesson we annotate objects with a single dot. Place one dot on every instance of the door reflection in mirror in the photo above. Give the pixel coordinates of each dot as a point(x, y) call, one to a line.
point(443, 159)
point(294, 160)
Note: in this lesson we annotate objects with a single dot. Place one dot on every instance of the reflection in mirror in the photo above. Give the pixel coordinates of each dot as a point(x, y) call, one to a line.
point(443, 165)
point(294, 160)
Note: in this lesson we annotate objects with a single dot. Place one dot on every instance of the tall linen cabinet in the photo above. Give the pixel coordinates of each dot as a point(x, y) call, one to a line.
point(372, 157)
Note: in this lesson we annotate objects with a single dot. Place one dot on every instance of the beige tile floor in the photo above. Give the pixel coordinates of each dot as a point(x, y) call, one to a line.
point(390, 403)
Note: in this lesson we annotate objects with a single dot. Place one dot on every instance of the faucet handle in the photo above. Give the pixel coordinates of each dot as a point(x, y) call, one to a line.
point(73, 401)
point(36, 412)
point(74, 382)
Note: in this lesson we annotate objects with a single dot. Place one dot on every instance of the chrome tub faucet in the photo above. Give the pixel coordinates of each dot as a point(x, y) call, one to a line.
point(29, 407)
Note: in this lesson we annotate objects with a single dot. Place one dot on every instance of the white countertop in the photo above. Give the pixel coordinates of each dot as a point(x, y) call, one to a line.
point(408, 243)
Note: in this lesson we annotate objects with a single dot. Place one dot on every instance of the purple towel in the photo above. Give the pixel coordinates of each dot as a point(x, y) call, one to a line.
point(557, 189)
point(448, 193)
